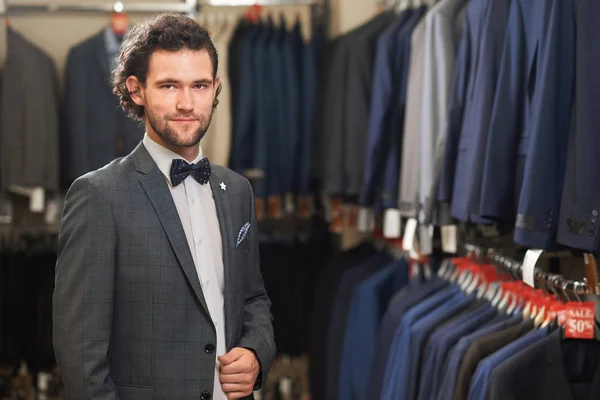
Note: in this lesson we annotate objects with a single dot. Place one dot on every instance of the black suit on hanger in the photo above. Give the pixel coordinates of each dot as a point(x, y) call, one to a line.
point(552, 369)
point(97, 129)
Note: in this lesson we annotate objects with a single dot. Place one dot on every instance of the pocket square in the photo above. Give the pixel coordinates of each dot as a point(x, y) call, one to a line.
point(243, 233)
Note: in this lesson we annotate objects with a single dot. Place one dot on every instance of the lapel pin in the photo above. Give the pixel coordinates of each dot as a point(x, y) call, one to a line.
point(223, 186)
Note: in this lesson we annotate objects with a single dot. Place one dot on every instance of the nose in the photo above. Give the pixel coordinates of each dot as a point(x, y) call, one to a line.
point(185, 101)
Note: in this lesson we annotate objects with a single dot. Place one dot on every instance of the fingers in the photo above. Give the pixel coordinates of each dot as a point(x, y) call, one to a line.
point(237, 395)
point(237, 367)
point(234, 378)
point(232, 356)
point(234, 387)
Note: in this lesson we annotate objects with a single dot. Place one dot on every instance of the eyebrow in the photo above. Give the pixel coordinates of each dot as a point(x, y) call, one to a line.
point(167, 81)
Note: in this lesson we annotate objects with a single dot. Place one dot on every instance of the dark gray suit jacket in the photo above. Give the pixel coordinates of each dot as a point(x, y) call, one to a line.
point(29, 117)
point(97, 129)
point(130, 318)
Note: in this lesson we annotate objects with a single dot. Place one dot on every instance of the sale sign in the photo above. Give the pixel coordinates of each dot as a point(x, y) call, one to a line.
point(580, 320)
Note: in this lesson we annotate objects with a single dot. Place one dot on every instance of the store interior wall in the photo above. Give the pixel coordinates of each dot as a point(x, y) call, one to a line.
point(348, 14)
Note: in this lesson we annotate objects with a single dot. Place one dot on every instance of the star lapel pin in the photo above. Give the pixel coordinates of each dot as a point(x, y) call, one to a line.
point(223, 186)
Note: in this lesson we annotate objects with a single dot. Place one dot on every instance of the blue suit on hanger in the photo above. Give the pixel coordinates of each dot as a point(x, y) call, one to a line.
point(580, 205)
point(510, 120)
point(474, 133)
point(461, 93)
point(380, 117)
point(368, 307)
point(539, 201)
point(244, 135)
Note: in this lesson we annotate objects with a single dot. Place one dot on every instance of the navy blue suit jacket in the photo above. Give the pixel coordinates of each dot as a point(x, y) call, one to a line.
point(539, 201)
point(578, 225)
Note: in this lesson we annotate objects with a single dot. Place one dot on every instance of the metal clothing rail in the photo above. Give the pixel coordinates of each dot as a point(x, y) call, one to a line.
point(555, 282)
point(234, 3)
point(10, 8)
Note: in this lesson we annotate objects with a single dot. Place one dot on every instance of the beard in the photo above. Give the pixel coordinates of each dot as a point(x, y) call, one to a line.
point(188, 138)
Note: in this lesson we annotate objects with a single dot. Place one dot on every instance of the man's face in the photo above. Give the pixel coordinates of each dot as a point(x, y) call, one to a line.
point(178, 96)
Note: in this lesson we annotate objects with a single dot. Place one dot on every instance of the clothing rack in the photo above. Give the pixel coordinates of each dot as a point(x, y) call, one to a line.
point(554, 282)
point(10, 8)
point(235, 3)
point(188, 6)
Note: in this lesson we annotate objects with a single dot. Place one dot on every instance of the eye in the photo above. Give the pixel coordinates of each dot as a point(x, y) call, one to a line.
point(168, 87)
point(201, 86)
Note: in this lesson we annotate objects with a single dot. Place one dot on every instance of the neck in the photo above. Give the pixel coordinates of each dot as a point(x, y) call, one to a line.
point(188, 153)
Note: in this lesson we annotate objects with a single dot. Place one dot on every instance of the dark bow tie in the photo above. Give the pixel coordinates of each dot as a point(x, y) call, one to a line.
point(181, 169)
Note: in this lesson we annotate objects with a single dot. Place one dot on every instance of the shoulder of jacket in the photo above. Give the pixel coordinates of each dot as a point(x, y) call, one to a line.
point(111, 176)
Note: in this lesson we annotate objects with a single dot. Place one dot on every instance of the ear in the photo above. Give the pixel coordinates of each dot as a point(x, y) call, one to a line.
point(136, 90)
point(216, 85)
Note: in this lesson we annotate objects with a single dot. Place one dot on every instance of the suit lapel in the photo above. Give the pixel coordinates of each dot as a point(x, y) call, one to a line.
point(223, 206)
point(156, 188)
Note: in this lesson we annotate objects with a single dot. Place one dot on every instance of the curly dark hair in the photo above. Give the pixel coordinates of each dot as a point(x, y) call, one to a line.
point(168, 31)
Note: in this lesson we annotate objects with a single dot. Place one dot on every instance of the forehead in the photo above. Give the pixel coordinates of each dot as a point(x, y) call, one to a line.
point(182, 64)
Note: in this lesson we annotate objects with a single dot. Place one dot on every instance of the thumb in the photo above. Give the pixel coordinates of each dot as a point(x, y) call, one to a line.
point(230, 357)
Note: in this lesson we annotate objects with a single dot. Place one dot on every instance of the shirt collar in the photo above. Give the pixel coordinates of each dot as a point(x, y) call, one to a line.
point(164, 157)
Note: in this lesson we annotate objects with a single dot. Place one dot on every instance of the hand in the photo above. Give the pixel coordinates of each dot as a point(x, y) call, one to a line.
point(238, 372)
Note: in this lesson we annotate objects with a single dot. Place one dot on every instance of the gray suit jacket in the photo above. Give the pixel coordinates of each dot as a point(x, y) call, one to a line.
point(29, 117)
point(130, 318)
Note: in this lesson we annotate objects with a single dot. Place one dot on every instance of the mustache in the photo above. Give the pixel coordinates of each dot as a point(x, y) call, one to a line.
point(189, 116)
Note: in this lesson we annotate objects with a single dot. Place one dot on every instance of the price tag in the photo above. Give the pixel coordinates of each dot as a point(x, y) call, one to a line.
point(392, 224)
point(531, 258)
point(580, 320)
point(425, 240)
point(37, 200)
point(408, 241)
point(449, 239)
point(364, 220)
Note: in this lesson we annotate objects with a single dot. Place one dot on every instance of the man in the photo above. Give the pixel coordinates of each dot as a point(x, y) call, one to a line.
point(158, 287)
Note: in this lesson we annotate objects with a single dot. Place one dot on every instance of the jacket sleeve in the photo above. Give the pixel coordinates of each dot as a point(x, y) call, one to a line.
point(258, 333)
point(83, 295)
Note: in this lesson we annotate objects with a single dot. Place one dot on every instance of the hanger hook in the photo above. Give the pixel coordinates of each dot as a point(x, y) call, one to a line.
point(575, 290)
point(564, 286)
point(550, 284)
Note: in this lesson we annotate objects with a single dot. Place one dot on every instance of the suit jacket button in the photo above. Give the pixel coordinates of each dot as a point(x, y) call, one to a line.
point(205, 395)
point(209, 348)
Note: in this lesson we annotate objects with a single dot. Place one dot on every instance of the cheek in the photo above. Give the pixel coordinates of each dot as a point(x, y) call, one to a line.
point(161, 103)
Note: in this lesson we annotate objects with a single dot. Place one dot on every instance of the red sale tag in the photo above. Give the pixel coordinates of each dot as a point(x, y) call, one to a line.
point(580, 320)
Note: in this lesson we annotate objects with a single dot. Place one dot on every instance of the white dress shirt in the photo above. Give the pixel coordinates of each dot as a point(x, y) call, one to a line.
point(198, 213)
